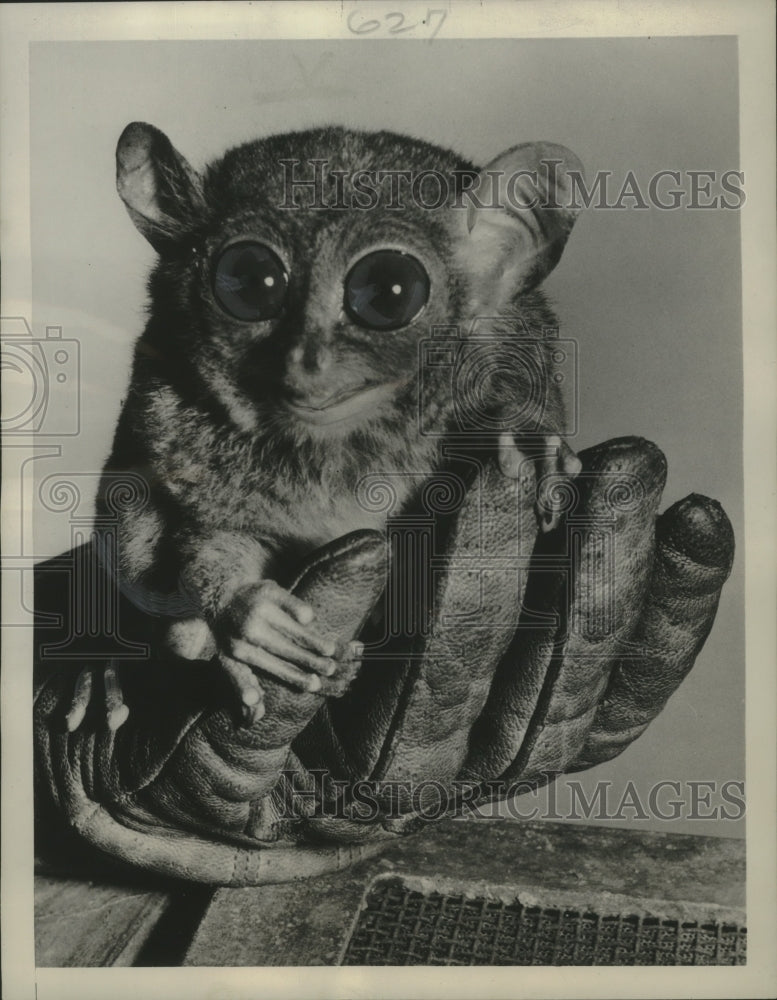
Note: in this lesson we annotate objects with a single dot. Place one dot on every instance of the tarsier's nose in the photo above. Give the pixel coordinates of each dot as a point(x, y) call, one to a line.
point(311, 357)
point(308, 375)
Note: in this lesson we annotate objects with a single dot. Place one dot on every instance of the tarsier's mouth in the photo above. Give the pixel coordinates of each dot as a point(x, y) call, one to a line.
point(344, 403)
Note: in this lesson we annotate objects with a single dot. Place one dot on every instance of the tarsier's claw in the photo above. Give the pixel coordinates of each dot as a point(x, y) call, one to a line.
point(251, 696)
point(117, 717)
point(75, 717)
point(249, 714)
point(350, 660)
point(82, 695)
point(252, 703)
point(116, 712)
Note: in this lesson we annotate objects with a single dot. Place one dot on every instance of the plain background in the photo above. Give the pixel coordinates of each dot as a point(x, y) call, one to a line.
point(652, 297)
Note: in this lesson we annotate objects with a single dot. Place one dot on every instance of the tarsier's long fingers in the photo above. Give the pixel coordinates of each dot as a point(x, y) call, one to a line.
point(262, 659)
point(299, 610)
point(247, 688)
point(276, 643)
point(239, 672)
point(82, 695)
point(271, 609)
point(558, 463)
point(116, 712)
point(288, 638)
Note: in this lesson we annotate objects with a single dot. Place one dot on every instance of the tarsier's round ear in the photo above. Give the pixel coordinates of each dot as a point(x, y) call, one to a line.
point(519, 219)
point(161, 191)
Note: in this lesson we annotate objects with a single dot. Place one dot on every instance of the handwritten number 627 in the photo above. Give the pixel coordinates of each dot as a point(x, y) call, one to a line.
point(395, 22)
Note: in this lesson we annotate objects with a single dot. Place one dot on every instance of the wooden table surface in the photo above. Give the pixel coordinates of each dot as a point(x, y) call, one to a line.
point(100, 919)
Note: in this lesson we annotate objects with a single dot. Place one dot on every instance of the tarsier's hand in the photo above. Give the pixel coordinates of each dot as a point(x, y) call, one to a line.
point(266, 628)
point(557, 461)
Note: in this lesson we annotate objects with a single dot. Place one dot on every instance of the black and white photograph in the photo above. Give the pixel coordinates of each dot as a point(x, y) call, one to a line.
point(388, 448)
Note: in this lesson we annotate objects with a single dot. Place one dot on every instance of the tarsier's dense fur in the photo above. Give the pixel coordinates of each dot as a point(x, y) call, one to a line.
point(240, 486)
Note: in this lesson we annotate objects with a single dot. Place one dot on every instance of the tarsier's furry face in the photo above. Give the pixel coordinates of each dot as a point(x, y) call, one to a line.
point(299, 273)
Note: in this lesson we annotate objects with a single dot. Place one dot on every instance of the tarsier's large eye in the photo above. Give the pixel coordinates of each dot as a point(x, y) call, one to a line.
point(249, 281)
point(386, 289)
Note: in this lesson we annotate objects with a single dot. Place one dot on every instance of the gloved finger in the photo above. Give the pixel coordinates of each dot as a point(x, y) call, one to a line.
point(582, 604)
point(473, 611)
point(451, 608)
point(694, 553)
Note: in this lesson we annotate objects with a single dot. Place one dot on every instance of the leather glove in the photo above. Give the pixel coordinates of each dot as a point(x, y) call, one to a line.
point(515, 657)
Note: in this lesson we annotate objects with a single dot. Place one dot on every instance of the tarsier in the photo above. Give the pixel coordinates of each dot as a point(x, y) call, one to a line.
point(281, 364)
